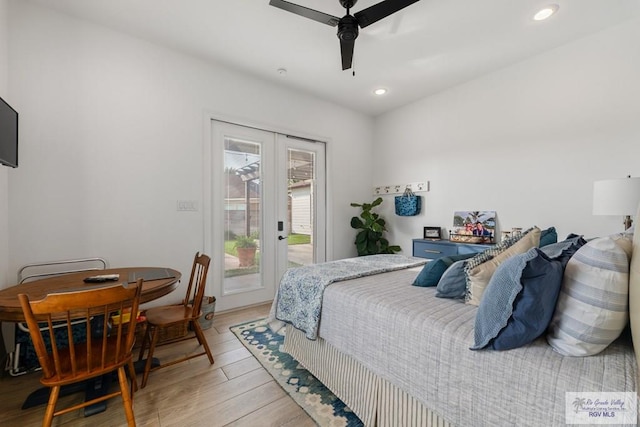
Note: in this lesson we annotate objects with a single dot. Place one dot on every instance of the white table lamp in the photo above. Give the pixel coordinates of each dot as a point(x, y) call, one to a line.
point(617, 197)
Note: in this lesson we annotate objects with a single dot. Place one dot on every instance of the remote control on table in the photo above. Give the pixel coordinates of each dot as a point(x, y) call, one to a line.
point(101, 278)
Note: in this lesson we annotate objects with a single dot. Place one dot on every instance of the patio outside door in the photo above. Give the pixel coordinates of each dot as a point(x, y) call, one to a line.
point(267, 211)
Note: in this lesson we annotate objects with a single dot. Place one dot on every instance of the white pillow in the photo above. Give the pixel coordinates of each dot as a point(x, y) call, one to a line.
point(593, 308)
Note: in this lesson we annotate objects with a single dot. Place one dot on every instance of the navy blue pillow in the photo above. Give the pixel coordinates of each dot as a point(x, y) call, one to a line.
point(519, 301)
point(548, 237)
point(433, 270)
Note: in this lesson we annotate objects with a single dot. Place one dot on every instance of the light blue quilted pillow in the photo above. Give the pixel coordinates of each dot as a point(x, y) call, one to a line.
point(593, 307)
point(453, 283)
point(519, 301)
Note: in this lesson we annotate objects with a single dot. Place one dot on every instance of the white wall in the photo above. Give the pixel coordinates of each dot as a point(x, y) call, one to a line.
point(113, 134)
point(527, 141)
point(4, 171)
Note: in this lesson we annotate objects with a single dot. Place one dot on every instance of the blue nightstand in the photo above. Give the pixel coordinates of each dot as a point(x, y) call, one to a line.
point(433, 249)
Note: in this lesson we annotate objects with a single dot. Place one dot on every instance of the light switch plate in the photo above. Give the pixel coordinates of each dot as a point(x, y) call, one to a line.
point(187, 206)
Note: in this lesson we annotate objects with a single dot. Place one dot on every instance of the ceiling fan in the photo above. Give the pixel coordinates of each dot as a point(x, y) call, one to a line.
point(348, 25)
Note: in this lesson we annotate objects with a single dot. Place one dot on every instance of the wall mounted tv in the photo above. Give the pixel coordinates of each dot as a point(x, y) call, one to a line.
point(8, 135)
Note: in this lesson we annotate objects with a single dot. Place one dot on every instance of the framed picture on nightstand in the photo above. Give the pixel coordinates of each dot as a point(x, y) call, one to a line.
point(432, 233)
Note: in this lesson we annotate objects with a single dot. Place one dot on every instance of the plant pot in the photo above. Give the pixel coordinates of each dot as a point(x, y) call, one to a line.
point(246, 256)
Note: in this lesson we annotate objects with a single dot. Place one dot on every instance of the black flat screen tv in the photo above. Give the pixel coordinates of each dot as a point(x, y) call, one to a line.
point(8, 135)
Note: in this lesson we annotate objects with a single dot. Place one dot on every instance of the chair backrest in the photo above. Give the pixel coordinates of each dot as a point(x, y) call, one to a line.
point(197, 282)
point(23, 361)
point(40, 270)
point(104, 345)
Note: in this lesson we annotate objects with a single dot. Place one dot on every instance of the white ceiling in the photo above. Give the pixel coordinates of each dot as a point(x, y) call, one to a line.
point(427, 47)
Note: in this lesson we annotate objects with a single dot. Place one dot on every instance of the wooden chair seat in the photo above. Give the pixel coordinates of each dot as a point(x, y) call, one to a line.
point(88, 370)
point(188, 313)
point(169, 315)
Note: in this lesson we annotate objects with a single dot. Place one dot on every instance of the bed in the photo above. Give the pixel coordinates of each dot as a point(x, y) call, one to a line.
point(398, 356)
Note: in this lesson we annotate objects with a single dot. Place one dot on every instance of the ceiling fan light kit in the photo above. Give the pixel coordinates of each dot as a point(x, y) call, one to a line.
point(349, 25)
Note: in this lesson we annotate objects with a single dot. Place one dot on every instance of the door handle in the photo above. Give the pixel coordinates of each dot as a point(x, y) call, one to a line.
point(281, 238)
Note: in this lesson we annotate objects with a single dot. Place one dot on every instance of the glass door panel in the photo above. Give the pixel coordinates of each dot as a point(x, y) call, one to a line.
point(300, 206)
point(242, 213)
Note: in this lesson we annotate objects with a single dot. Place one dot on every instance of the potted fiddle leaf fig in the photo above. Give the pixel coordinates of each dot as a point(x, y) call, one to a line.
point(246, 247)
point(370, 240)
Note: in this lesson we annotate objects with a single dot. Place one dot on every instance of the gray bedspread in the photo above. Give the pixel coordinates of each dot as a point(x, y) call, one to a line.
point(299, 296)
point(421, 344)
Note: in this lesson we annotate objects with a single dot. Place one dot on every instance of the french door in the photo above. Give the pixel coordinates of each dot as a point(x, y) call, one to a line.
point(266, 211)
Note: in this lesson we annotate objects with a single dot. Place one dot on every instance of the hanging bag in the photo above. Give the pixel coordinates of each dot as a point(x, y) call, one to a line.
point(408, 204)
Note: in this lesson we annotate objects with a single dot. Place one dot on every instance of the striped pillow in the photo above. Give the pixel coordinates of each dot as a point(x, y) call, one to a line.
point(593, 308)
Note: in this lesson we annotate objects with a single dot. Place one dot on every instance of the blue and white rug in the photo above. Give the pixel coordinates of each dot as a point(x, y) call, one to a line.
point(307, 391)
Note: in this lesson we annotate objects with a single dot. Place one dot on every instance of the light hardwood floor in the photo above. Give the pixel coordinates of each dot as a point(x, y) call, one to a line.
point(234, 391)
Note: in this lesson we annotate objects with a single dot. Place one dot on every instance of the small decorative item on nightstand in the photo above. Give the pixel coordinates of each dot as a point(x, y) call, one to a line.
point(432, 233)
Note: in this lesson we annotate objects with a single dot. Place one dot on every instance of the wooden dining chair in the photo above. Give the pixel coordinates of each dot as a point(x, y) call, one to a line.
point(106, 347)
point(188, 312)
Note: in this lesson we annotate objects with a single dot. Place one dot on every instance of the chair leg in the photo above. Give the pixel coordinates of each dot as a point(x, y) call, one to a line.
point(202, 340)
point(126, 398)
point(145, 341)
point(152, 347)
point(51, 406)
point(132, 374)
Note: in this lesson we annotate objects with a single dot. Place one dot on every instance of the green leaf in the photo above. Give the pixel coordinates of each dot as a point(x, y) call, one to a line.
point(367, 216)
point(356, 223)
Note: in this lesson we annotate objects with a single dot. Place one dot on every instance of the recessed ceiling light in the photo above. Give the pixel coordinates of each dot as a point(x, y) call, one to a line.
point(282, 71)
point(380, 91)
point(546, 12)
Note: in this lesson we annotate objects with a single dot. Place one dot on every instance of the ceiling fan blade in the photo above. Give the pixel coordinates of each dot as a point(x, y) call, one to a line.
point(346, 50)
point(381, 10)
point(321, 17)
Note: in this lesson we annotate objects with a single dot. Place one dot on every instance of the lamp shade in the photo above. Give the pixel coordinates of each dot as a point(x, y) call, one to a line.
point(616, 196)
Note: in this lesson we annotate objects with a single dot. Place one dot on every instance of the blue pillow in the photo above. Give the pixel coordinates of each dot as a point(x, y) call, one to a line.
point(548, 236)
point(519, 301)
point(564, 250)
point(453, 283)
point(433, 270)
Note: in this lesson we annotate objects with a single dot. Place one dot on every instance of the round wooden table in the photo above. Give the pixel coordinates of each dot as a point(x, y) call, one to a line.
point(10, 310)
point(157, 283)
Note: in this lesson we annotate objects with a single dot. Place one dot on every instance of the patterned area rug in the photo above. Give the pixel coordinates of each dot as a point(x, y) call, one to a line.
point(308, 392)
